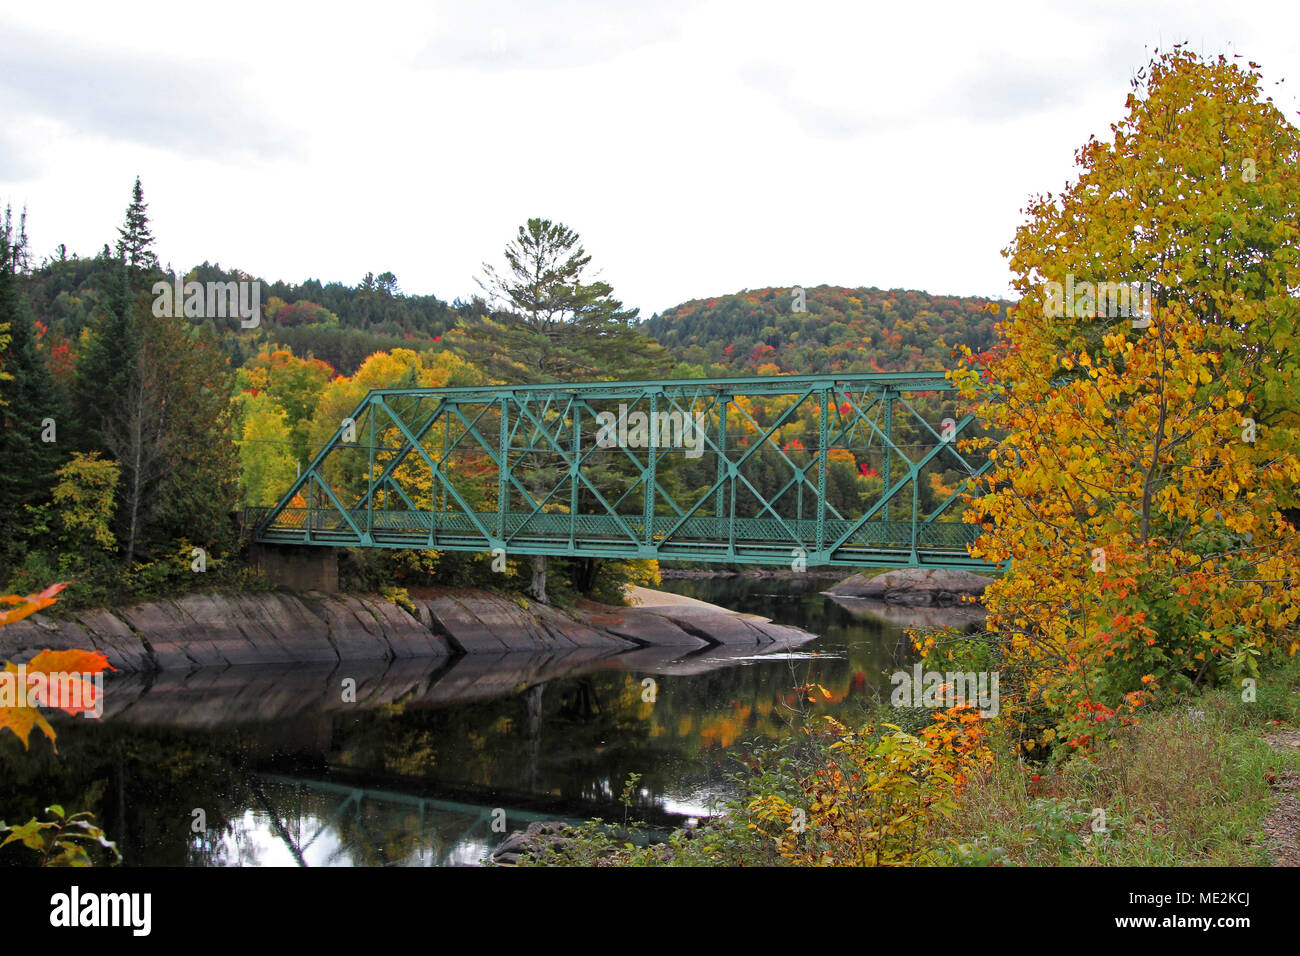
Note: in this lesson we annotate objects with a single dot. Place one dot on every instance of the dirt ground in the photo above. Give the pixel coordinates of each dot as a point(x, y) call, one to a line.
point(1282, 825)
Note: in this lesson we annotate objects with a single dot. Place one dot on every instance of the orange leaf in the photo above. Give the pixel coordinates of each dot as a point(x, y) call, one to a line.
point(70, 662)
point(30, 604)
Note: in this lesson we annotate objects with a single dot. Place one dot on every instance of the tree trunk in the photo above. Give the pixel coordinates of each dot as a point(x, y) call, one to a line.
point(537, 590)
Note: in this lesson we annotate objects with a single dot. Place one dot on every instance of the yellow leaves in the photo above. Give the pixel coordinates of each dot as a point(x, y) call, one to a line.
point(1147, 455)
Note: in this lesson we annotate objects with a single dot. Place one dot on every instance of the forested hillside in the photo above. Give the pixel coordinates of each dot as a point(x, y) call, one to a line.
point(840, 330)
point(336, 323)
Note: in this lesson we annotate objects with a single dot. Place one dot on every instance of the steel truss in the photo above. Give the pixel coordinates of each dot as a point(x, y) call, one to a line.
point(409, 468)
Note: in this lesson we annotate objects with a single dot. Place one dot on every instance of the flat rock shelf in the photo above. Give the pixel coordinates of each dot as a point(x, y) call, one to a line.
point(224, 630)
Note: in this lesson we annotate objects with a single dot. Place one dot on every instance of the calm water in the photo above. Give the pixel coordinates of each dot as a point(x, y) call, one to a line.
point(267, 767)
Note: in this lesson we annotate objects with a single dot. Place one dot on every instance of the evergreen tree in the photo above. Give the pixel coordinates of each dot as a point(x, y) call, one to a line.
point(109, 356)
point(136, 433)
point(201, 487)
point(548, 325)
point(30, 410)
point(172, 430)
point(135, 239)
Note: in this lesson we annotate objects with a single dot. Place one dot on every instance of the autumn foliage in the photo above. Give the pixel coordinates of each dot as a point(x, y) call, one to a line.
point(1149, 458)
point(60, 840)
point(872, 798)
point(72, 666)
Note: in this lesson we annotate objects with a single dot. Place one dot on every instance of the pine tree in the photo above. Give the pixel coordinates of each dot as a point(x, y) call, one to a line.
point(548, 324)
point(201, 488)
point(135, 238)
point(136, 433)
point(30, 410)
point(109, 357)
point(172, 430)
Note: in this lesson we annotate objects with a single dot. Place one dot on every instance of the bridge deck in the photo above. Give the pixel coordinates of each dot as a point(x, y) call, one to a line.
point(756, 540)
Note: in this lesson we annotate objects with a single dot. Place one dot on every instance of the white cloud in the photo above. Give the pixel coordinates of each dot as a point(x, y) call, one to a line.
point(698, 148)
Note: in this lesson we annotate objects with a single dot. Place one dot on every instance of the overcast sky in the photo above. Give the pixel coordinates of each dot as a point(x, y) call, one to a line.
point(698, 148)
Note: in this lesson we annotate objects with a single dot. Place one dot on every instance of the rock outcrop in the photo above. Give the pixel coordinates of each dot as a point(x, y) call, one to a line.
point(914, 586)
point(281, 628)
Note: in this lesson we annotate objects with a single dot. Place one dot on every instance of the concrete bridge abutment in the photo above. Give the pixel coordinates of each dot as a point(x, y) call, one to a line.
point(301, 568)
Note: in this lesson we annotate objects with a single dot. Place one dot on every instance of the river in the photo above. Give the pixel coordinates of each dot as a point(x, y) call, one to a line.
point(268, 767)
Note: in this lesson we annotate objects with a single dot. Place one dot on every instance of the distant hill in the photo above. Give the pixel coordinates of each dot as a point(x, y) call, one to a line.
point(850, 330)
point(337, 323)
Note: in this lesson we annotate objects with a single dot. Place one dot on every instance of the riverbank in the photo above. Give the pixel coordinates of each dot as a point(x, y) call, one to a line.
point(1209, 781)
point(226, 630)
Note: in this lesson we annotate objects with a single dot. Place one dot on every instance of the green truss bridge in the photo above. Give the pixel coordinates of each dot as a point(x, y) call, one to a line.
point(762, 471)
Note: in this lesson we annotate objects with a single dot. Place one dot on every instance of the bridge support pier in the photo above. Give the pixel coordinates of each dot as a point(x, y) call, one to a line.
point(298, 568)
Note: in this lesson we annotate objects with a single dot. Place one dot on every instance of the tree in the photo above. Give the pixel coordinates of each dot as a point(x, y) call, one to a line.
point(137, 434)
point(135, 239)
point(109, 351)
point(266, 459)
point(551, 326)
point(201, 486)
point(172, 430)
point(30, 407)
point(84, 502)
point(1149, 450)
point(295, 385)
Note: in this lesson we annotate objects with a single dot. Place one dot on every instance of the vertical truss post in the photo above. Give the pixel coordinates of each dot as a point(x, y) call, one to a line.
point(731, 515)
point(573, 475)
point(648, 476)
point(503, 469)
point(823, 439)
point(370, 478)
point(435, 471)
point(446, 445)
point(722, 458)
point(885, 469)
point(798, 504)
point(916, 506)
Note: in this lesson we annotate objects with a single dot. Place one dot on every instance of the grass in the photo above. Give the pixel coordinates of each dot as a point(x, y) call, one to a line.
point(1185, 787)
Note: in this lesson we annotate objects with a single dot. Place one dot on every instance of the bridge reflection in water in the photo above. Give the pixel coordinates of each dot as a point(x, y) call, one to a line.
point(288, 773)
point(326, 823)
point(508, 737)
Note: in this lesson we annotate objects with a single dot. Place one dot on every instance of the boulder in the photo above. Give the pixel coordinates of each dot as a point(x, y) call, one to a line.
point(914, 587)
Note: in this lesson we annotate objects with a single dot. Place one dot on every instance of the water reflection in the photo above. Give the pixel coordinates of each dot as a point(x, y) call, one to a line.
point(288, 772)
